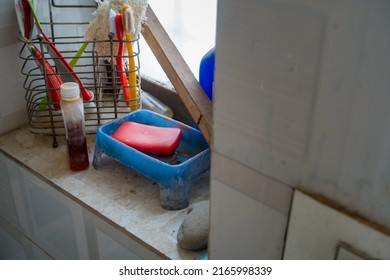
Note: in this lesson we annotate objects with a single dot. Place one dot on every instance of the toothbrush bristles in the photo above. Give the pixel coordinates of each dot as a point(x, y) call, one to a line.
point(129, 21)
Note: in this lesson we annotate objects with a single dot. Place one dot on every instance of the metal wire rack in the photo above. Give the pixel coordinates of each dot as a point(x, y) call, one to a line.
point(98, 74)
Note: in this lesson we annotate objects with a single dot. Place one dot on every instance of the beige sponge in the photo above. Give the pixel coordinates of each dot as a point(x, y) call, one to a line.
point(99, 27)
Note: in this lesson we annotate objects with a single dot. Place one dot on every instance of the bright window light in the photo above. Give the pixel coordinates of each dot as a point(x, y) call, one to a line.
point(191, 26)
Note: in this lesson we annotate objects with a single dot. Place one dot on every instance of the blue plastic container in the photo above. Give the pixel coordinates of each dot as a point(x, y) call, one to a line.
point(173, 173)
point(206, 72)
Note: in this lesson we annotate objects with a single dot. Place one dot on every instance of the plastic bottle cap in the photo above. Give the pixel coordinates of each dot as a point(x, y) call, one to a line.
point(70, 90)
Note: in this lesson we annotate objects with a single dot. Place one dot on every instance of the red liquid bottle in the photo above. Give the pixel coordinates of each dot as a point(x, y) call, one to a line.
point(73, 114)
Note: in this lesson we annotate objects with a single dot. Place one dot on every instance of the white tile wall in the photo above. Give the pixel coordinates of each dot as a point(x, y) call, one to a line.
point(243, 228)
point(248, 213)
point(302, 96)
point(12, 107)
point(252, 183)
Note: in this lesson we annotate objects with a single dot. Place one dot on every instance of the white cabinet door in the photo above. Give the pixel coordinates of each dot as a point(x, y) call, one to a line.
point(14, 245)
point(38, 221)
point(40, 212)
point(54, 220)
point(318, 231)
point(109, 243)
point(7, 203)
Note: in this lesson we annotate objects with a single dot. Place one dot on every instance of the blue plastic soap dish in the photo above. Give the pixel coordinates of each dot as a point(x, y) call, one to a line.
point(173, 173)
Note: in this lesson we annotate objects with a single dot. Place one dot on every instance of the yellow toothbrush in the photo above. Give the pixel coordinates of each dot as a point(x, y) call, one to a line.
point(129, 29)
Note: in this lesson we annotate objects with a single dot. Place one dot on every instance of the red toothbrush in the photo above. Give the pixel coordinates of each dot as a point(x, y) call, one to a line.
point(60, 61)
point(54, 81)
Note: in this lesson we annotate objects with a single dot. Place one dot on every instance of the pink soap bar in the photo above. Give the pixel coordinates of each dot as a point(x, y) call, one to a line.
point(149, 139)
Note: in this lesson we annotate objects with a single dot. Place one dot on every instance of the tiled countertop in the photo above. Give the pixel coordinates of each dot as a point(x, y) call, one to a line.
point(127, 199)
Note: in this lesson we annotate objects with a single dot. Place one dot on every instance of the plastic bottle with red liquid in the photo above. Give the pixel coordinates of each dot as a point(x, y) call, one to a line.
point(73, 114)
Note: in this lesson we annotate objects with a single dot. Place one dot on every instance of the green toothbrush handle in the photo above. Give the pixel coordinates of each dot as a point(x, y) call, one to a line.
point(74, 60)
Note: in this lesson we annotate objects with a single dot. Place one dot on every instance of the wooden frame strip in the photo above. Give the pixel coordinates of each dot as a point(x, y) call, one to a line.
point(187, 87)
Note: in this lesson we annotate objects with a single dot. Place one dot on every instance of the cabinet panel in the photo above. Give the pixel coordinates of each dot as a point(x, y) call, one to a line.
point(317, 231)
point(38, 221)
point(54, 219)
point(108, 243)
point(16, 246)
point(12, 205)
point(7, 204)
point(111, 249)
point(10, 247)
